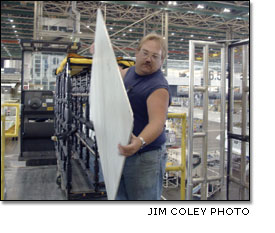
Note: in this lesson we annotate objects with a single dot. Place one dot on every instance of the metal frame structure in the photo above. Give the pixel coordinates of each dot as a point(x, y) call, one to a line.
point(182, 166)
point(243, 137)
point(74, 144)
point(3, 143)
point(204, 179)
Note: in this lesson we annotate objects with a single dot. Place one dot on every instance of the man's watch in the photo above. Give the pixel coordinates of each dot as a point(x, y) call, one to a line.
point(143, 143)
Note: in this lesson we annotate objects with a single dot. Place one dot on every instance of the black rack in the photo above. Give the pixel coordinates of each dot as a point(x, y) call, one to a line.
point(76, 147)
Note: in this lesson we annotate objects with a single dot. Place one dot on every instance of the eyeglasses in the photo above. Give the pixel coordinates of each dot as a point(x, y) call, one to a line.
point(146, 54)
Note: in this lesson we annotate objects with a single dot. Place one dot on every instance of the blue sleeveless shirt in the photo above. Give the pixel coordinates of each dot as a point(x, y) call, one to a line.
point(139, 88)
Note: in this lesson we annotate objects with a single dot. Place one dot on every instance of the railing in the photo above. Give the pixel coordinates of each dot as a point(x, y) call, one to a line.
point(182, 166)
point(2, 156)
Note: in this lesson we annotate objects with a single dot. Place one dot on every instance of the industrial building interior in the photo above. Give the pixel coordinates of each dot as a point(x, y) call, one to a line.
point(48, 148)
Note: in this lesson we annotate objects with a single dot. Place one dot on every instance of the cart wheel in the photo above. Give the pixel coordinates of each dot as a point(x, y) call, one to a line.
point(58, 181)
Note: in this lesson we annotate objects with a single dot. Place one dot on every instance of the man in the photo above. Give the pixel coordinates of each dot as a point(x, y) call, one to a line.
point(148, 93)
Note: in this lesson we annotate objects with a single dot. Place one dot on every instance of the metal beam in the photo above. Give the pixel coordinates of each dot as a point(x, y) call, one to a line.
point(174, 9)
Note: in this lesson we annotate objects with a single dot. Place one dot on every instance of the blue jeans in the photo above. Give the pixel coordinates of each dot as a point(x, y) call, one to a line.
point(142, 176)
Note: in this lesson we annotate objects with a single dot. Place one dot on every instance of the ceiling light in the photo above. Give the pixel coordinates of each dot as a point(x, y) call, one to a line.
point(172, 33)
point(124, 34)
point(88, 26)
point(11, 20)
point(13, 26)
point(15, 31)
point(181, 39)
point(175, 3)
point(111, 28)
point(200, 6)
point(192, 35)
point(226, 10)
point(209, 37)
point(130, 30)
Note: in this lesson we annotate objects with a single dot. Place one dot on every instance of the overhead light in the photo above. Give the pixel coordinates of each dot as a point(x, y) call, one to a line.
point(88, 26)
point(111, 28)
point(172, 3)
point(226, 10)
point(13, 26)
point(192, 35)
point(209, 37)
point(200, 6)
point(11, 20)
point(124, 34)
point(15, 31)
point(172, 33)
point(130, 30)
point(181, 39)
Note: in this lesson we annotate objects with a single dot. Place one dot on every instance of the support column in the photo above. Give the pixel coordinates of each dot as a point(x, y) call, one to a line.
point(38, 13)
point(166, 40)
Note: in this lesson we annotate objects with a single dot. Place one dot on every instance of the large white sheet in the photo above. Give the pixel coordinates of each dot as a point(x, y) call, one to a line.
point(110, 109)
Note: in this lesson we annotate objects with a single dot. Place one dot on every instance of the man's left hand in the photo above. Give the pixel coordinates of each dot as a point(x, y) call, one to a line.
point(131, 148)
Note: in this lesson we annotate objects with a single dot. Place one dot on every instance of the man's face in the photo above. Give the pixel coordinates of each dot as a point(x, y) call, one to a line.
point(148, 58)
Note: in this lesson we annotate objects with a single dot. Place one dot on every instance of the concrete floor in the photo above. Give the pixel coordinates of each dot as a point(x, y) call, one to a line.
point(39, 182)
point(28, 183)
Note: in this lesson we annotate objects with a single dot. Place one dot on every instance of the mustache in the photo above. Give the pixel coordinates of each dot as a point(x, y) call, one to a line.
point(147, 63)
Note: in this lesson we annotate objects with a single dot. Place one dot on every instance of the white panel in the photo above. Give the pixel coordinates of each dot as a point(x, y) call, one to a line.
point(110, 109)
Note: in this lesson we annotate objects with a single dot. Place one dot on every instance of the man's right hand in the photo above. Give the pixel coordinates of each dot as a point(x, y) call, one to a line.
point(92, 48)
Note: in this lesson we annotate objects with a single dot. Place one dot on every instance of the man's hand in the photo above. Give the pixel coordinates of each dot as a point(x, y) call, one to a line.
point(131, 148)
point(92, 48)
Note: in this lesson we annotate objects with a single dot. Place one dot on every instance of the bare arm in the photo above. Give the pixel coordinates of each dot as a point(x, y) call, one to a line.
point(123, 71)
point(157, 106)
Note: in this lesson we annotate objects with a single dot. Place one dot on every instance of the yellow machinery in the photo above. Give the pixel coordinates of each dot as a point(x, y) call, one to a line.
point(11, 122)
point(2, 156)
point(181, 167)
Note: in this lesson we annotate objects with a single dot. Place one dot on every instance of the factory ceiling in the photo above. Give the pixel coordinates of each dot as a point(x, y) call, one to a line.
point(127, 22)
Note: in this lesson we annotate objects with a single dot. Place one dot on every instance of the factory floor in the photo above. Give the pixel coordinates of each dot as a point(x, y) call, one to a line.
point(39, 182)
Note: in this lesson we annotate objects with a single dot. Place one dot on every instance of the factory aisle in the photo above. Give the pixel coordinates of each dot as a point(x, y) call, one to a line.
point(28, 183)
